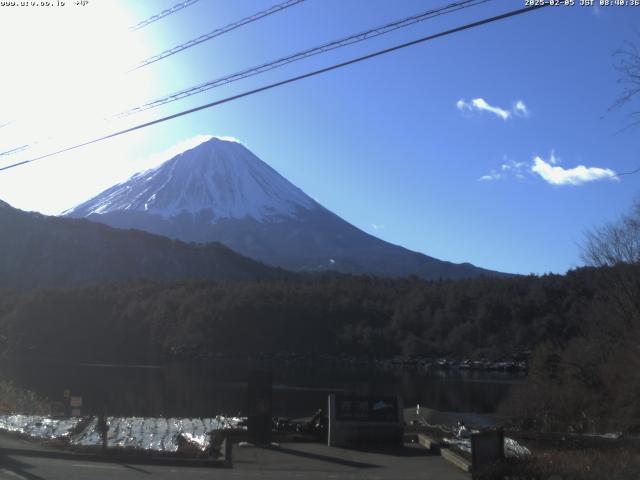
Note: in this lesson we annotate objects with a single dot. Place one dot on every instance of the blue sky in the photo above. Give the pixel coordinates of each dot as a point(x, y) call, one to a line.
point(413, 147)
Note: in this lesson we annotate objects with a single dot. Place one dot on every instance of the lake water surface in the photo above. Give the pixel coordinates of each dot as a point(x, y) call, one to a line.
point(220, 386)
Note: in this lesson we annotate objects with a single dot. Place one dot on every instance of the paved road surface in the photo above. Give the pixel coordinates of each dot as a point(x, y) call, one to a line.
point(289, 461)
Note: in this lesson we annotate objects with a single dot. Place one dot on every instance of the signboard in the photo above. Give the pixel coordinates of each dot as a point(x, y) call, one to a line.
point(75, 412)
point(75, 402)
point(260, 410)
point(357, 421)
point(366, 409)
point(487, 449)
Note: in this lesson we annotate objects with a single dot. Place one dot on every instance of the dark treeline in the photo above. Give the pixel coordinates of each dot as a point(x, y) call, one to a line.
point(582, 328)
point(589, 381)
point(486, 317)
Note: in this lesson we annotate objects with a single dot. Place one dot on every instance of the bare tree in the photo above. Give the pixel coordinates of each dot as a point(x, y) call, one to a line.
point(627, 63)
point(617, 245)
point(616, 242)
point(614, 336)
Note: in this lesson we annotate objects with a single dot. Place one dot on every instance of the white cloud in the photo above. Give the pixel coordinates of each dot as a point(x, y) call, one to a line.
point(507, 168)
point(521, 109)
point(377, 226)
point(462, 105)
point(549, 171)
point(491, 177)
point(556, 175)
point(511, 165)
point(480, 104)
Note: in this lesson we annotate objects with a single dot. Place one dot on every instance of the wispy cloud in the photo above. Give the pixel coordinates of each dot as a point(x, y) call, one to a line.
point(549, 171)
point(507, 169)
point(519, 108)
point(377, 226)
point(481, 104)
point(462, 105)
point(556, 175)
point(512, 165)
point(490, 177)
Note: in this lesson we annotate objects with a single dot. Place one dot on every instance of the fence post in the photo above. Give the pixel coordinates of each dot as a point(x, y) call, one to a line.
point(228, 451)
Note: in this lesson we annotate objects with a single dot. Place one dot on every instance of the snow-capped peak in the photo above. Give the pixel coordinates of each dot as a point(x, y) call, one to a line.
point(219, 175)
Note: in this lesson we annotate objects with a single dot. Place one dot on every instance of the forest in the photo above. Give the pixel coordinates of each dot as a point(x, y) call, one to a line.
point(490, 318)
point(583, 369)
point(580, 331)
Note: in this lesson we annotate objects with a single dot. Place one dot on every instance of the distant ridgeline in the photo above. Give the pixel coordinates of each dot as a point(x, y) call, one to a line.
point(331, 314)
point(41, 251)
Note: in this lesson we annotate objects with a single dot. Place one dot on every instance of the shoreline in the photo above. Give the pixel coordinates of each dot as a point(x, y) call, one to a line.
point(517, 364)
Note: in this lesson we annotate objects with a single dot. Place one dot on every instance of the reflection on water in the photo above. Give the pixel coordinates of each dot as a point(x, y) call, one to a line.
point(219, 387)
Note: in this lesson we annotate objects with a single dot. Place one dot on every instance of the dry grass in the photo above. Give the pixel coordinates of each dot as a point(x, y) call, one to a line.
point(18, 400)
point(590, 464)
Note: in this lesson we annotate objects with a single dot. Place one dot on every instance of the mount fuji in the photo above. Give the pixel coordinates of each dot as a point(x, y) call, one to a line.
point(220, 191)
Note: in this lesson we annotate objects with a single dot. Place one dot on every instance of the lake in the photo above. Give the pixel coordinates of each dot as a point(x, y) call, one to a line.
point(206, 389)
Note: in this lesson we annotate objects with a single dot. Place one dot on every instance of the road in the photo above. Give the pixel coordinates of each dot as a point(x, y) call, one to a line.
point(287, 461)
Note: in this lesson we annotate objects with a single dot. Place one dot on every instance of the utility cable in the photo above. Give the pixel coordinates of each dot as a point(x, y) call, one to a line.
point(154, 18)
point(217, 32)
point(467, 26)
point(343, 42)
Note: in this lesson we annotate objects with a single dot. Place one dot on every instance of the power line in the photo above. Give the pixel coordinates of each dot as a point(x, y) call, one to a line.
point(218, 31)
point(15, 150)
point(215, 33)
point(177, 7)
point(467, 26)
point(633, 172)
point(343, 42)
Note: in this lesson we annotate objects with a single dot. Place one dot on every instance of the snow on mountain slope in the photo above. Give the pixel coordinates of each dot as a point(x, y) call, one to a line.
point(218, 175)
point(221, 192)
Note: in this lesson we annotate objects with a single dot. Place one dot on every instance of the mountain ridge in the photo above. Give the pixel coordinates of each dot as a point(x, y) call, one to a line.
point(229, 180)
point(44, 251)
point(220, 191)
